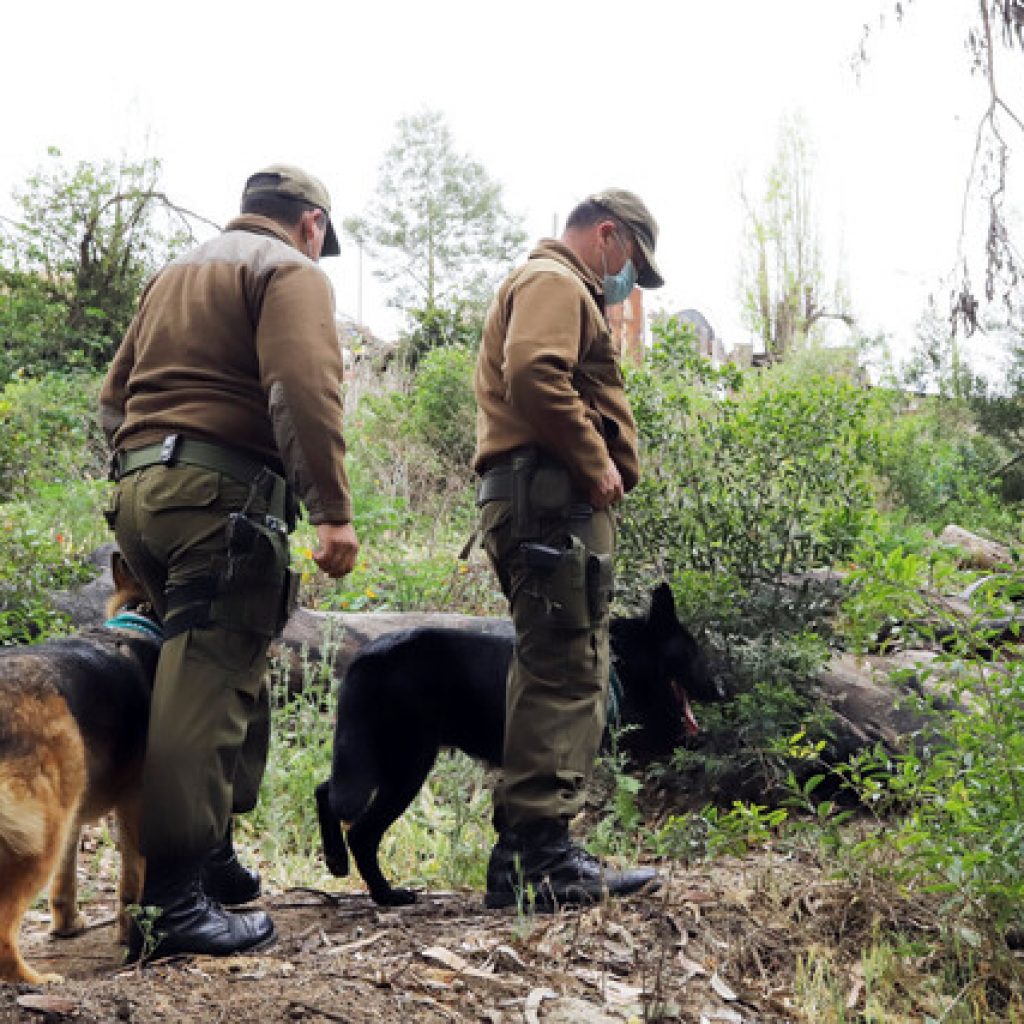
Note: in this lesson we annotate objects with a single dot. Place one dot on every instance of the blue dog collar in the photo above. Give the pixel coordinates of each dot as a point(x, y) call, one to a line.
point(138, 623)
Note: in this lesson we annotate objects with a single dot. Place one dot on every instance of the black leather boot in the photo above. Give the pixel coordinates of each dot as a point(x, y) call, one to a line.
point(224, 877)
point(538, 865)
point(186, 920)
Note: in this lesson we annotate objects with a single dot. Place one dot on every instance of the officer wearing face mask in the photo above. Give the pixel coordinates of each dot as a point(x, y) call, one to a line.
point(223, 407)
point(556, 450)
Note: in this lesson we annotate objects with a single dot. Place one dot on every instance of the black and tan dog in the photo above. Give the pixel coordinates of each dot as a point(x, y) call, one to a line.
point(408, 694)
point(73, 718)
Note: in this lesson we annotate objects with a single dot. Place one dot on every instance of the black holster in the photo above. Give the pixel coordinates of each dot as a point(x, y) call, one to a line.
point(525, 523)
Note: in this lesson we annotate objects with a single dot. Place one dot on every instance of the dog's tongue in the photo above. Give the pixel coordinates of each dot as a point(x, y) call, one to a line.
point(690, 726)
point(689, 718)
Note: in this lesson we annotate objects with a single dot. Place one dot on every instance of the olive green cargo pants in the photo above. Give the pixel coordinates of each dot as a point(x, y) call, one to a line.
point(209, 725)
point(558, 680)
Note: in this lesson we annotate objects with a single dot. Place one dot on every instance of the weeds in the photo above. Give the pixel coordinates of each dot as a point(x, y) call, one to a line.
point(145, 918)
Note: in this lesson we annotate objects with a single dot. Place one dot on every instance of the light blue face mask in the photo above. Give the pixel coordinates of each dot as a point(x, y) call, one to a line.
point(617, 287)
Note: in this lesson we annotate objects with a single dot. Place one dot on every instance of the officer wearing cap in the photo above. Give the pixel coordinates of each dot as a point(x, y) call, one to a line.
point(556, 450)
point(223, 407)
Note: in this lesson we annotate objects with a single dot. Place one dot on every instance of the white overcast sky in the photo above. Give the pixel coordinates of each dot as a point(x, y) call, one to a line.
point(675, 99)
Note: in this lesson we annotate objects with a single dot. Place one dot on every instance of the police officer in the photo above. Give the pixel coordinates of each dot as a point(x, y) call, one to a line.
point(223, 407)
point(556, 450)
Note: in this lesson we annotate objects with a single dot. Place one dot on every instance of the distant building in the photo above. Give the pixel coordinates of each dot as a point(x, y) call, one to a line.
point(360, 347)
point(626, 321)
point(709, 344)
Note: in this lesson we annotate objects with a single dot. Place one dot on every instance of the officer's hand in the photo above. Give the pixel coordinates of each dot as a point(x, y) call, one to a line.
point(608, 490)
point(337, 550)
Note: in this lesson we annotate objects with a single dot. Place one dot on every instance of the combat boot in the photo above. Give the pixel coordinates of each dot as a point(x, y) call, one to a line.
point(538, 865)
point(225, 879)
point(184, 919)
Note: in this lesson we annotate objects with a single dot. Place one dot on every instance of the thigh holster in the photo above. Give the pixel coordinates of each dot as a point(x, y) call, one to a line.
point(545, 505)
point(250, 588)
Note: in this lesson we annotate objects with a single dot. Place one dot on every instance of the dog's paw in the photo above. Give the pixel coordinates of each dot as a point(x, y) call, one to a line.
point(338, 866)
point(33, 977)
point(394, 898)
point(66, 927)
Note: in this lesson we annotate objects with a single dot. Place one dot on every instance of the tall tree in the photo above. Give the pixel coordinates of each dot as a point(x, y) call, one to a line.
point(781, 275)
point(73, 261)
point(437, 222)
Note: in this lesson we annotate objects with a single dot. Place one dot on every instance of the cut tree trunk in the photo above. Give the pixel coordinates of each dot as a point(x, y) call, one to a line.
point(976, 552)
point(336, 635)
point(867, 705)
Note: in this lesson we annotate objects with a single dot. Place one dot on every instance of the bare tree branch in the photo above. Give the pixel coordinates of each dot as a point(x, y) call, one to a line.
point(1003, 262)
point(185, 215)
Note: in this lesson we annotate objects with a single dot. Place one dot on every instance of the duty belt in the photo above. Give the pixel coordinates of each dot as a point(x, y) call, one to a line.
point(496, 485)
point(176, 449)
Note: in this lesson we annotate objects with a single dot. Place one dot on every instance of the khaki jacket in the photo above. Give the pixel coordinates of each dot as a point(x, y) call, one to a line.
point(235, 343)
point(548, 372)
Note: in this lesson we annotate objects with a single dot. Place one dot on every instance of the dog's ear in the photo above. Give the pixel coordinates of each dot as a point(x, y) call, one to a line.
point(662, 615)
point(124, 578)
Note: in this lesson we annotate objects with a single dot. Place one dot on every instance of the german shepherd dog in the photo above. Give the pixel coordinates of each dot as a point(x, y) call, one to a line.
point(73, 719)
point(408, 694)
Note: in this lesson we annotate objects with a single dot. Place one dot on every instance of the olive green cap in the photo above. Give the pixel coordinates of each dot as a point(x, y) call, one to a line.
point(294, 183)
point(629, 208)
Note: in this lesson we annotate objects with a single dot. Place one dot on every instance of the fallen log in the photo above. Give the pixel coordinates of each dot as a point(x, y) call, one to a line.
point(866, 705)
point(857, 690)
point(310, 634)
point(976, 552)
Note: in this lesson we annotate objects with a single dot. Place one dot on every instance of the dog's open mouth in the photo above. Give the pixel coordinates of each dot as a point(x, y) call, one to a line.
point(690, 724)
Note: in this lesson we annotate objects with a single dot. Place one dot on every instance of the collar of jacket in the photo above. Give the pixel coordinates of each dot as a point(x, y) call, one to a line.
point(257, 225)
point(553, 249)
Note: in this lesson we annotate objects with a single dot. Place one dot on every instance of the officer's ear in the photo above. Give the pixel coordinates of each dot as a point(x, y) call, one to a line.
point(307, 225)
point(606, 231)
point(312, 232)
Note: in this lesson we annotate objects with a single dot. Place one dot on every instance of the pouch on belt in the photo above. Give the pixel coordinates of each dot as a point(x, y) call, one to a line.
point(540, 490)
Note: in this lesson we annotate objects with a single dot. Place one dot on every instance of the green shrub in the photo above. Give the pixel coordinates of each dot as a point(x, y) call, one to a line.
point(73, 263)
point(442, 410)
point(49, 433)
point(935, 467)
point(413, 440)
point(34, 560)
point(744, 478)
point(435, 327)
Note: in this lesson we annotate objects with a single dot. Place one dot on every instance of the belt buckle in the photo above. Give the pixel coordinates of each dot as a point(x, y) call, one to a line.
point(169, 448)
point(273, 523)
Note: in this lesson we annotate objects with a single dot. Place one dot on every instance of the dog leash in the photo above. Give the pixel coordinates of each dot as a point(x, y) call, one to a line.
point(614, 710)
point(138, 623)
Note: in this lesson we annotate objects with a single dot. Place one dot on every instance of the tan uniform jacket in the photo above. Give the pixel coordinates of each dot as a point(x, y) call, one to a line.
point(235, 343)
point(548, 372)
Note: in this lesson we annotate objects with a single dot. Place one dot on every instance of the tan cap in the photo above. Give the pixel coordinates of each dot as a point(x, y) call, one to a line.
point(294, 183)
point(629, 208)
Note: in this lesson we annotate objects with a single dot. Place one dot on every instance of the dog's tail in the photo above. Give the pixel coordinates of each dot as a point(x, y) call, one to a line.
point(22, 820)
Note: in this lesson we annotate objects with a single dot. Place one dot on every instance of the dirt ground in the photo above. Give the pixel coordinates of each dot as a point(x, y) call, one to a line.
point(708, 947)
point(720, 943)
